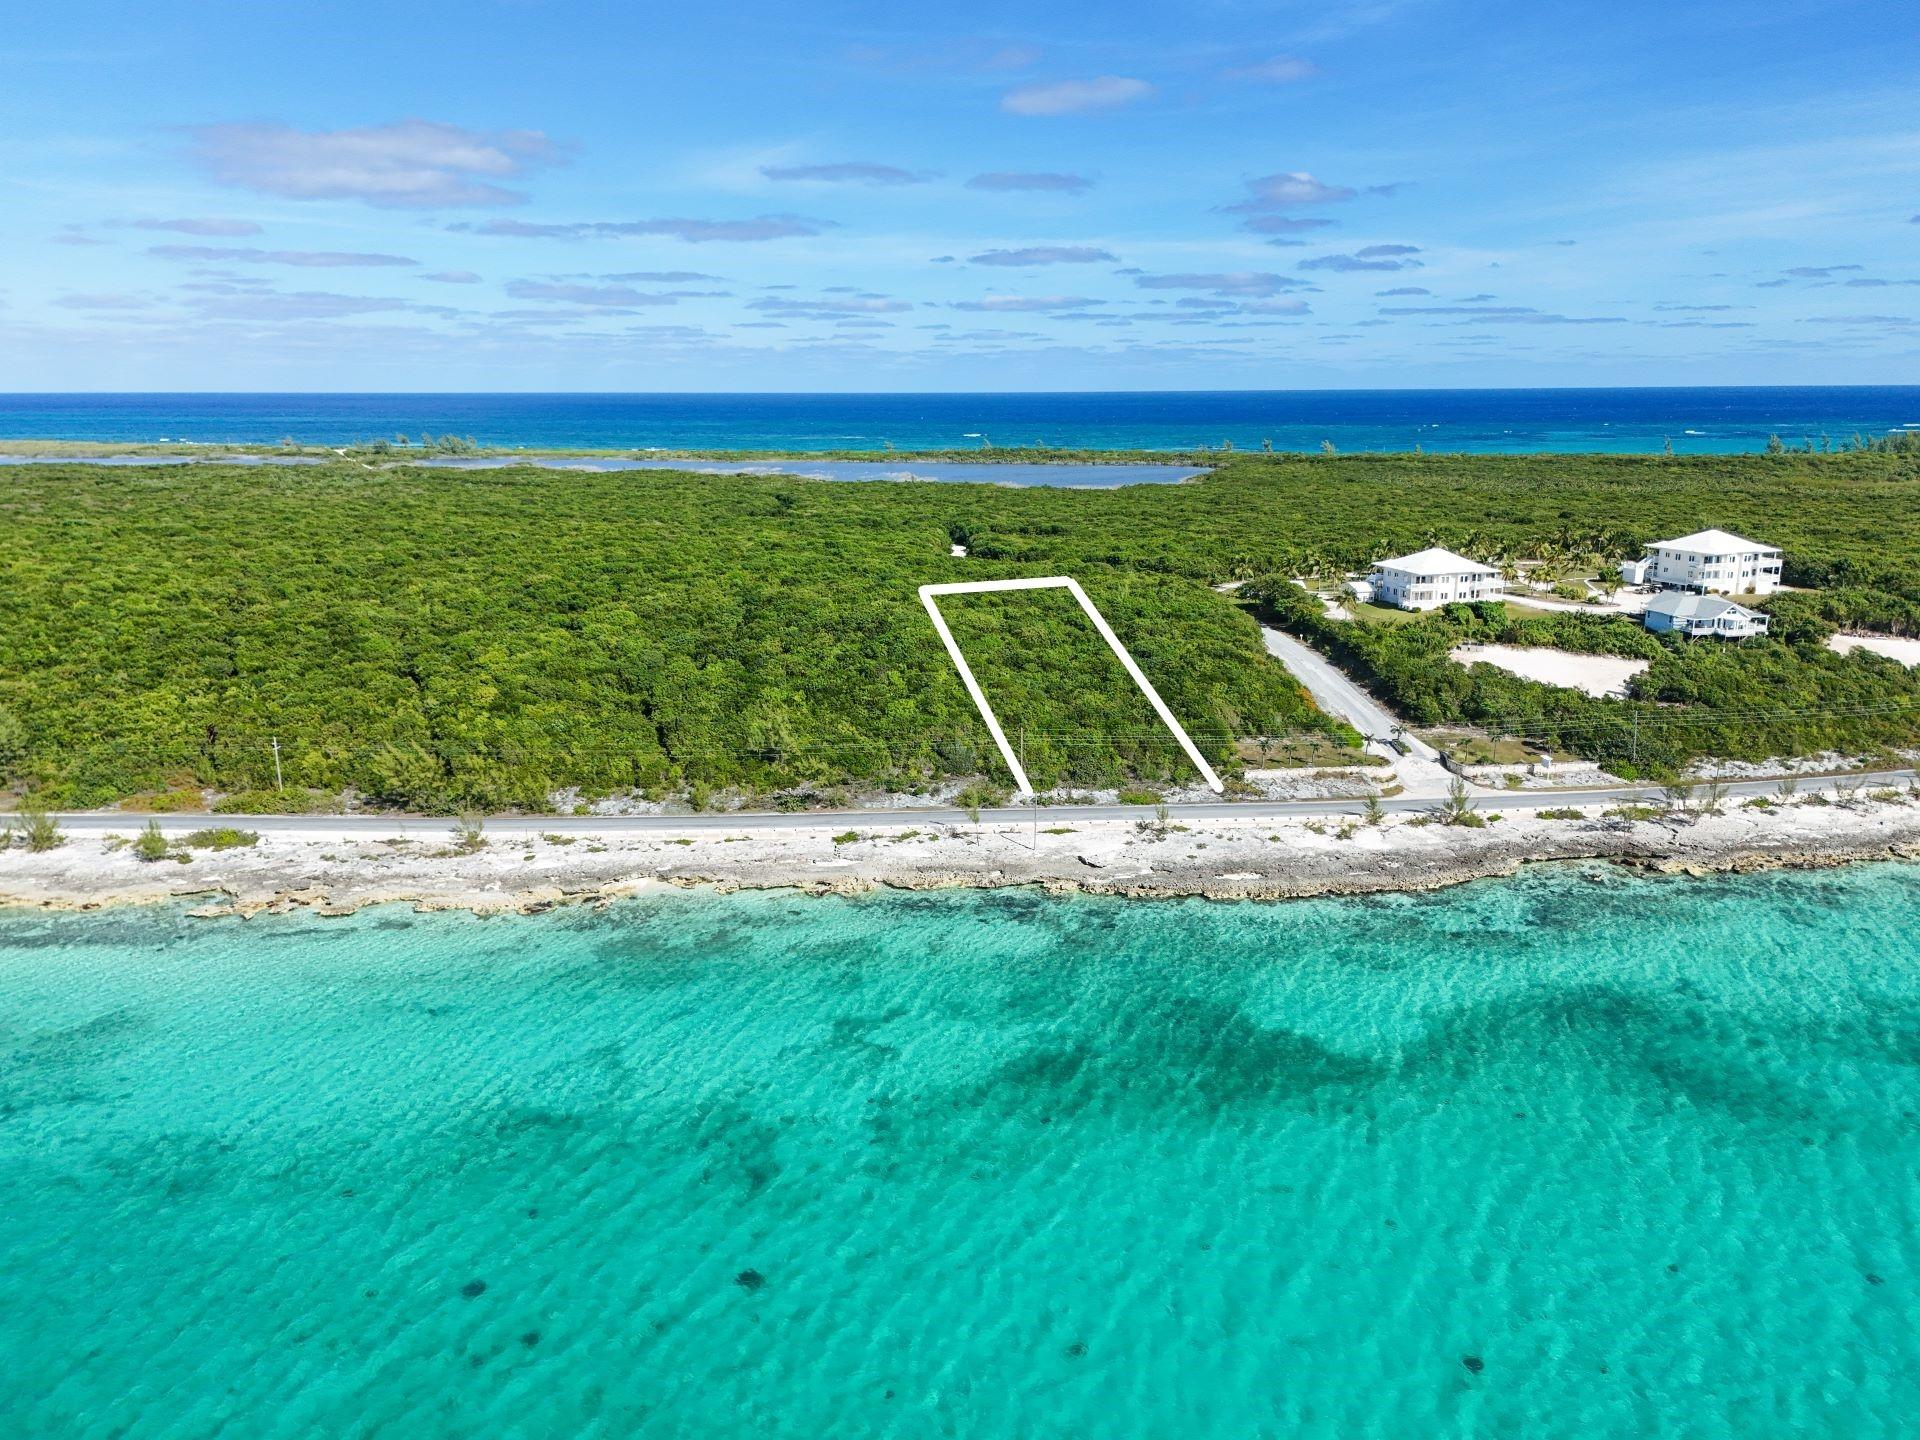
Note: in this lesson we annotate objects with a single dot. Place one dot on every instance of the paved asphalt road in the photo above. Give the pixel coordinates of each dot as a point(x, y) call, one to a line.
point(1335, 693)
point(368, 826)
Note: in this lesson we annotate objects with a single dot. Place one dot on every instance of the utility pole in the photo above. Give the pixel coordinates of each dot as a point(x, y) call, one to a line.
point(278, 782)
point(1033, 796)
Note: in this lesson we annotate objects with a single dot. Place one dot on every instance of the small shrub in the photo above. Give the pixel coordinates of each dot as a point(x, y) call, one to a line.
point(1561, 813)
point(469, 835)
point(150, 845)
point(1138, 797)
point(291, 801)
point(223, 837)
point(1457, 808)
point(39, 831)
point(980, 796)
point(846, 837)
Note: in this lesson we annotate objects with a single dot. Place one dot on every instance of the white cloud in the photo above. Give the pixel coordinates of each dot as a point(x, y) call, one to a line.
point(605, 297)
point(101, 302)
point(1030, 180)
point(206, 226)
point(1284, 225)
point(409, 164)
point(831, 309)
point(1044, 255)
point(1003, 304)
point(1287, 189)
point(311, 259)
point(1368, 257)
point(1233, 282)
point(1075, 97)
point(1280, 70)
point(847, 172)
point(761, 227)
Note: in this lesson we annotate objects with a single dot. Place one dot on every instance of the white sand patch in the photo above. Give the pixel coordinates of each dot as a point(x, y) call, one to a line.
point(1894, 647)
point(1597, 675)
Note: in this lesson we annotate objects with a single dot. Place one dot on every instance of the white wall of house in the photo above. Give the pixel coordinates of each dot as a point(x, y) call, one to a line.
point(1733, 569)
point(1734, 623)
point(1426, 589)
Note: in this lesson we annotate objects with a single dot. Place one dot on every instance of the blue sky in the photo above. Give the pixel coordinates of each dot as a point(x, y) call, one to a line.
point(539, 195)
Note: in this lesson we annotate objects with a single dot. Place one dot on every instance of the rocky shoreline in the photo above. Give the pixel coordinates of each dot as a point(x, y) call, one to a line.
point(1252, 859)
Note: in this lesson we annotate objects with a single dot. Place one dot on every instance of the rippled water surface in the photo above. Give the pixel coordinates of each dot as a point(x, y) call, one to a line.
point(1567, 1155)
point(1693, 420)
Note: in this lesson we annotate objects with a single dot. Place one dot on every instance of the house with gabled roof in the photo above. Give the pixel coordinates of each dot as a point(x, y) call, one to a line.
point(1434, 577)
point(1681, 613)
point(1708, 560)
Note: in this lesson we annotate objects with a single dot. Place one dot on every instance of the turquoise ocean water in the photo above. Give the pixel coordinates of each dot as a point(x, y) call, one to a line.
point(1573, 1154)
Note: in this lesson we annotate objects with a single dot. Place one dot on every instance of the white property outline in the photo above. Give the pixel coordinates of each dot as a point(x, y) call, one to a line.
point(1072, 586)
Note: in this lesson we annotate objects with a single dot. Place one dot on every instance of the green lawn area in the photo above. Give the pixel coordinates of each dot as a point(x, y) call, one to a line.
point(1370, 614)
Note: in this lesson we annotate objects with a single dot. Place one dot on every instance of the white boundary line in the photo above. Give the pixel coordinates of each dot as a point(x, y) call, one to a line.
point(928, 594)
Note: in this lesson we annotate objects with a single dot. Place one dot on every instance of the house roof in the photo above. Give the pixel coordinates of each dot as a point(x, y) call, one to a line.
point(1695, 607)
point(1710, 540)
point(1435, 561)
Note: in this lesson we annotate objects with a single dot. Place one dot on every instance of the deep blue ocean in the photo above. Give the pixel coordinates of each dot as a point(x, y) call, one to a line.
point(1719, 420)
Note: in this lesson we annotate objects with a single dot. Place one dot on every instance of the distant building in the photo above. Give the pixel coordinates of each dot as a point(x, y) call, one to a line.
point(1694, 615)
point(1432, 578)
point(1634, 572)
point(1713, 560)
point(1361, 590)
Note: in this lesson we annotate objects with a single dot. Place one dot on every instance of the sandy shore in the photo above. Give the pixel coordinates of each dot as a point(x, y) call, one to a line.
point(1222, 859)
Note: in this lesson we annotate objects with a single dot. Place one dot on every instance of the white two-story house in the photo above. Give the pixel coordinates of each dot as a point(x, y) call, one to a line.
point(1711, 560)
point(1432, 578)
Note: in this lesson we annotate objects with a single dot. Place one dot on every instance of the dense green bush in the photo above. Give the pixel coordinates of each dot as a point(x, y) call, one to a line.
point(444, 640)
point(1744, 700)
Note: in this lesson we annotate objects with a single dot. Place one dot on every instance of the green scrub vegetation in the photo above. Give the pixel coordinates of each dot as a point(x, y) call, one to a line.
point(1782, 694)
point(450, 640)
